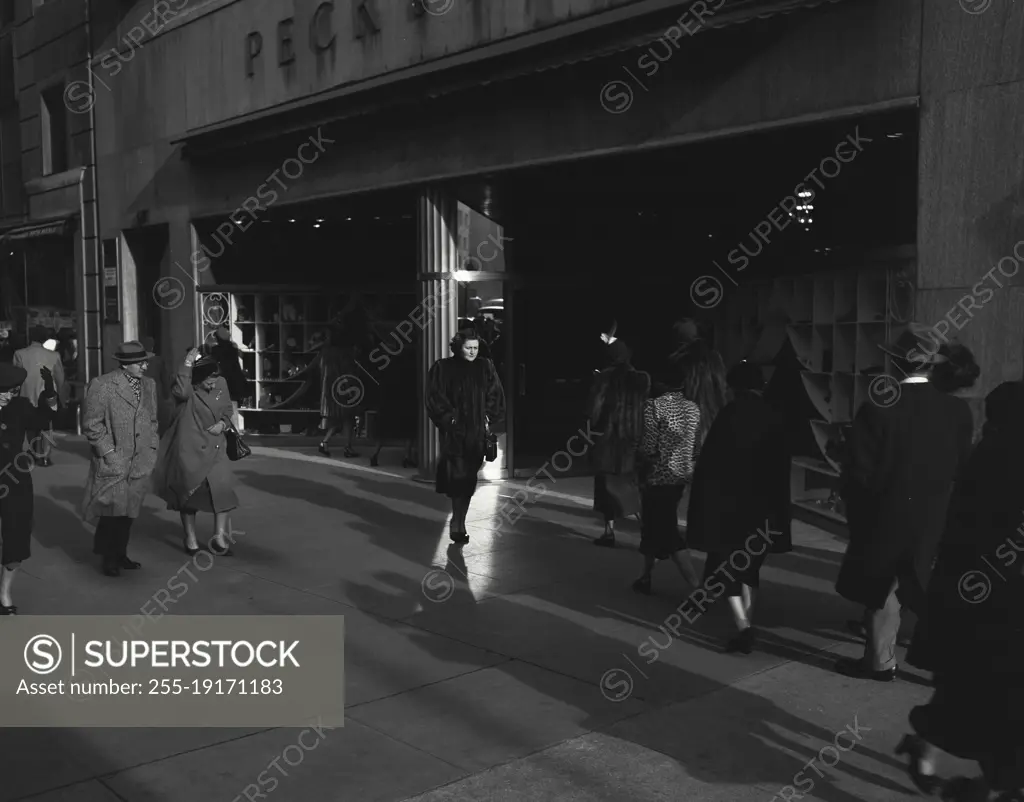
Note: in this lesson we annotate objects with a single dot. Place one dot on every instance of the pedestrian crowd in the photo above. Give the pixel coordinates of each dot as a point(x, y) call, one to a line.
point(926, 506)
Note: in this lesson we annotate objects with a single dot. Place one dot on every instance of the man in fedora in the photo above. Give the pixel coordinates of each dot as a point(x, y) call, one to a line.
point(904, 452)
point(120, 424)
point(32, 358)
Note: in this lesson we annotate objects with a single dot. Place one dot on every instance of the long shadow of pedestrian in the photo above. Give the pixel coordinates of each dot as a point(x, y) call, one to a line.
point(752, 741)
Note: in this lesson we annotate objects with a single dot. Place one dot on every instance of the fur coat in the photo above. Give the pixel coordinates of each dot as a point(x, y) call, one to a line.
point(615, 410)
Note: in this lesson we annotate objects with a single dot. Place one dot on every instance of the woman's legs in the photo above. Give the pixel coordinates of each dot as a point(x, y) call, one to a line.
point(348, 432)
point(188, 524)
point(6, 581)
point(222, 533)
point(328, 434)
point(742, 606)
point(460, 508)
point(608, 538)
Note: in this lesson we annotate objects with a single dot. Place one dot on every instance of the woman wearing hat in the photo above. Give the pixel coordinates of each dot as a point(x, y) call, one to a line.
point(193, 474)
point(903, 458)
point(18, 416)
point(120, 424)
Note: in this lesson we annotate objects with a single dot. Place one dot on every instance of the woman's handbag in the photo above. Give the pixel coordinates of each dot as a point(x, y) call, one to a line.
point(491, 452)
point(237, 448)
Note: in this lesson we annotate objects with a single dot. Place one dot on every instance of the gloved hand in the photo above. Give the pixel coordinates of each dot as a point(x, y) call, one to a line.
point(49, 389)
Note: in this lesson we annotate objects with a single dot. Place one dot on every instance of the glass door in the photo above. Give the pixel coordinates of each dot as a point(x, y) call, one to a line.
point(481, 305)
point(557, 349)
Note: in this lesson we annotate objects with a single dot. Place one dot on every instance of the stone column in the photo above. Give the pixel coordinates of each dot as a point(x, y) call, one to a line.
point(971, 210)
point(437, 261)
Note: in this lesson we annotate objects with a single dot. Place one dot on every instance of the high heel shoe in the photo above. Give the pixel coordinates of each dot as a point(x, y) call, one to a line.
point(322, 448)
point(914, 747)
point(191, 552)
point(350, 453)
point(742, 643)
point(220, 551)
point(8, 610)
point(643, 585)
point(607, 540)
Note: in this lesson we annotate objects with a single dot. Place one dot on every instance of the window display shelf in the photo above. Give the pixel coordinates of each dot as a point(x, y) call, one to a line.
point(836, 324)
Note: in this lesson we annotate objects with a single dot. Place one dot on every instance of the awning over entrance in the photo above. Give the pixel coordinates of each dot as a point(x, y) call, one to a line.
point(583, 40)
point(50, 228)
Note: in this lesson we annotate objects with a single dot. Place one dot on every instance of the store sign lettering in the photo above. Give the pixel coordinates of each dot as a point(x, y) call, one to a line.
point(321, 36)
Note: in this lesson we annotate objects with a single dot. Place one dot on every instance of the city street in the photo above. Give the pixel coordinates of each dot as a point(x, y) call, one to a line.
point(527, 678)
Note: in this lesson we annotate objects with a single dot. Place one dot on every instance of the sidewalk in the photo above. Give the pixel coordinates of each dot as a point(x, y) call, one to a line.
point(524, 679)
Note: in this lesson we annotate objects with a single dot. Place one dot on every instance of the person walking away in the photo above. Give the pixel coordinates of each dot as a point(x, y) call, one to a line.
point(18, 416)
point(32, 358)
point(229, 359)
point(897, 477)
point(120, 425)
point(971, 635)
point(156, 369)
point(670, 430)
point(615, 411)
point(466, 402)
point(704, 378)
point(740, 501)
point(193, 472)
point(341, 391)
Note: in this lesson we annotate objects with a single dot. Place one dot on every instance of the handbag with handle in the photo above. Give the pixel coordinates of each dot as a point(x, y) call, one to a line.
point(236, 446)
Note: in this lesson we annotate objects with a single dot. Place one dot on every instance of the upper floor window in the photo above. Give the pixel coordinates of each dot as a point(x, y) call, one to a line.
point(53, 119)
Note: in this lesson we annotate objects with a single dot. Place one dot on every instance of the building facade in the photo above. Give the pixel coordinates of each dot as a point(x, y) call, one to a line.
point(414, 166)
point(48, 213)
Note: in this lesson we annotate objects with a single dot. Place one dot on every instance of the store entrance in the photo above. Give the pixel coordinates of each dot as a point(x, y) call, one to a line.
point(623, 239)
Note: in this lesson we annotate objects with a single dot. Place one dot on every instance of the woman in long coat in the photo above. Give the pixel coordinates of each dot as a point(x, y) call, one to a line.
point(615, 410)
point(466, 402)
point(902, 463)
point(193, 471)
point(342, 391)
point(18, 416)
point(971, 635)
point(740, 503)
point(120, 425)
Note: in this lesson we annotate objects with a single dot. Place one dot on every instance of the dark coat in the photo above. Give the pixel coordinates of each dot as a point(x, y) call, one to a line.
point(190, 455)
point(16, 495)
point(900, 467)
point(971, 633)
point(114, 420)
point(342, 384)
point(615, 410)
point(741, 482)
point(463, 400)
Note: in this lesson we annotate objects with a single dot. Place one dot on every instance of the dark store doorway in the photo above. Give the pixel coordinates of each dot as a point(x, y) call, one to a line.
point(624, 237)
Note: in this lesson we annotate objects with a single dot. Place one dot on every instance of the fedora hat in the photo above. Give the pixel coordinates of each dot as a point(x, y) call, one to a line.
point(918, 344)
point(132, 351)
point(11, 376)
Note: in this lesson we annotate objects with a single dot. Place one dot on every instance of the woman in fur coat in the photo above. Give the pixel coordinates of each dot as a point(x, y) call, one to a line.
point(616, 413)
point(466, 402)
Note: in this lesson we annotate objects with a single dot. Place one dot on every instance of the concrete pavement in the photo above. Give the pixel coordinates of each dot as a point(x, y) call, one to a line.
point(518, 673)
